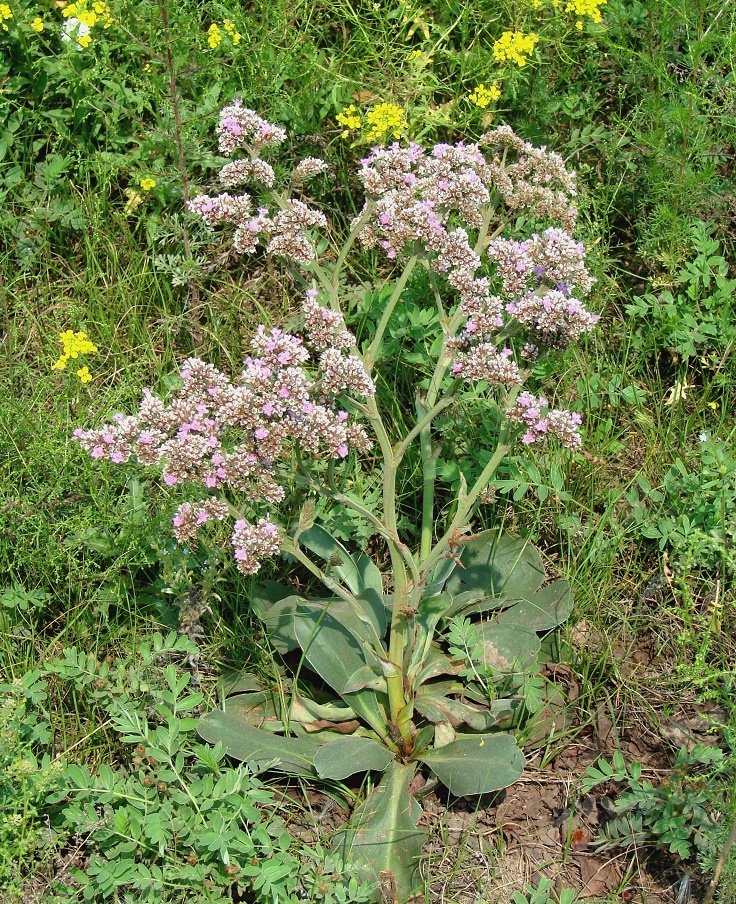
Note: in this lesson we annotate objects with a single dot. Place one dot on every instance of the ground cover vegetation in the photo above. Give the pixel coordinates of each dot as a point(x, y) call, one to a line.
point(139, 674)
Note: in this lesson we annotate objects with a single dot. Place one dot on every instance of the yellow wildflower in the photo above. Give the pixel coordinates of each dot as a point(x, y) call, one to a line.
point(483, 96)
point(514, 46)
point(214, 36)
point(103, 11)
point(147, 184)
point(84, 40)
point(5, 13)
point(84, 375)
point(229, 27)
point(74, 345)
point(87, 17)
point(37, 25)
point(384, 120)
point(350, 119)
point(585, 8)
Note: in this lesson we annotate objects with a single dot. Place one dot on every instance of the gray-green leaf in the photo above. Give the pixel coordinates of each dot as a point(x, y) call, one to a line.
point(476, 764)
point(345, 756)
point(382, 839)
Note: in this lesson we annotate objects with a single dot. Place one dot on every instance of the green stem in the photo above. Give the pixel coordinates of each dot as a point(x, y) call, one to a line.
point(429, 475)
point(466, 505)
point(423, 423)
point(289, 546)
point(369, 358)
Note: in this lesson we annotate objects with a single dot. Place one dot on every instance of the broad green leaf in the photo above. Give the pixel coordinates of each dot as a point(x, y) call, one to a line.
point(497, 565)
point(382, 840)
point(508, 648)
point(438, 708)
point(367, 676)
point(360, 575)
point(262, 709)
point(320, 541)
point(332, 712)
point(471, 602)
point(335, 653)
point(476, 764)
point(275, 605)
point(343, 757)
point(257, 747)
point(543, 610)
point(436, 663)
point(240, 683)
point(430, 611)
point(440, 573)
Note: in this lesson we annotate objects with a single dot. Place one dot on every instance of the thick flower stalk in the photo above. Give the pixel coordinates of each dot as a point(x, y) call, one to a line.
point(502, 302)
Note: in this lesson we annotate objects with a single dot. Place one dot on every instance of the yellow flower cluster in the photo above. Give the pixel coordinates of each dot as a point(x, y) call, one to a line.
point(235, 36)
point(5, 13)
point(349, 119)
point(148, 183)
point(483, 96)
point(514, 46)
point(215, 35)
point(89, 13)
point(384, 120)
point(585, 8)
point(74, 345)
point(37, 25)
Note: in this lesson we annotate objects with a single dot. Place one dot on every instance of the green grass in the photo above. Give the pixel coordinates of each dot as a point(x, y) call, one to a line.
point(643, 106)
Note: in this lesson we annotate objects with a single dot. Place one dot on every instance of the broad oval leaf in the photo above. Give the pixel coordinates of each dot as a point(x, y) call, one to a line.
point(542, 611)
point(497, 565)
point(508, 648)
point(382, 840)
point(257, 747)
point(476, 764)
point(335, 653)
point(438, 708)
point(345, 756)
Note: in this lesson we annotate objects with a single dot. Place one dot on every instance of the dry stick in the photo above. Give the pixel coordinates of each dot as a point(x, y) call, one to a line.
point(711, 890)
point(193, 290)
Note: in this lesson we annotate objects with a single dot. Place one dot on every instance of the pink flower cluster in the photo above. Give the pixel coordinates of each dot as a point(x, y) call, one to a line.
point(240, 127)
point(540, 421)
point(539, 275)
point(226, 434)
point(286, 230)
point(253, 542)
point(189, 518)
point(536, 181)
point(420, 195)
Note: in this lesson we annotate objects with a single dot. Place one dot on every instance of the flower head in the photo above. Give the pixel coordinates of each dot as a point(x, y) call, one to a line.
point(214, 36)
point(6, 13)
point(148, 183)
point(74, 345)
point(385, 120)
point(514, 46)
point(483, 96)
point(37, 25)
point(350, 119)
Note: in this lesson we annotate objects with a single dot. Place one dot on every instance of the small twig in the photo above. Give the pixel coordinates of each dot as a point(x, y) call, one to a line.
point(713, 885)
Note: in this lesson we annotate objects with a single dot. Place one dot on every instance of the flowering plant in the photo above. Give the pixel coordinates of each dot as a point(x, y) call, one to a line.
point(266, 446)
